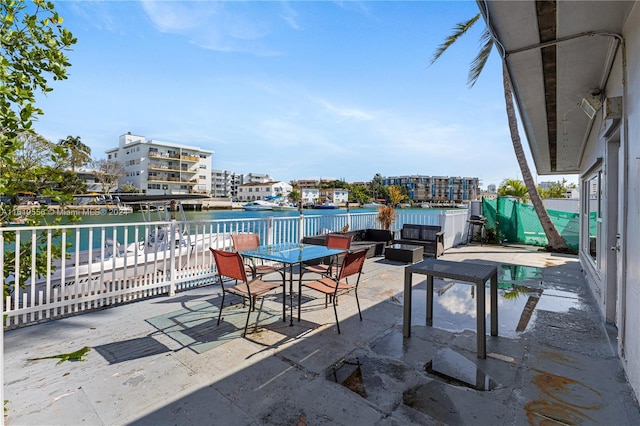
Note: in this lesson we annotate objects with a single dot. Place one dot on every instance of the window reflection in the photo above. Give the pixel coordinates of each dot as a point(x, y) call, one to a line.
point(593, 210)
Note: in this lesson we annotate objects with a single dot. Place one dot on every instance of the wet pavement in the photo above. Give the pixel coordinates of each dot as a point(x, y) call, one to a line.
point(164, 360)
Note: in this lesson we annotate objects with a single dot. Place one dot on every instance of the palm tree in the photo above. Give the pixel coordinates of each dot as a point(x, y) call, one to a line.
point(514, 188)
point(79, 153)
point(555, 240)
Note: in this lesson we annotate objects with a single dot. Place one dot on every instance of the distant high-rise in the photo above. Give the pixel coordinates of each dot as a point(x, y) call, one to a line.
point(436, 188)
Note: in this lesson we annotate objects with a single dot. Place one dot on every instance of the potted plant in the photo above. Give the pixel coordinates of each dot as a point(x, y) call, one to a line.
point(387, 214)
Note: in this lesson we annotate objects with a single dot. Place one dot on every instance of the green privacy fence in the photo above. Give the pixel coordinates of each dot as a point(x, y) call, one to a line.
point(514, 222)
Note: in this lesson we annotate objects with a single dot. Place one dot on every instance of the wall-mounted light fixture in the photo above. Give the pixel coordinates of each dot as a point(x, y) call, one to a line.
point(590, 105)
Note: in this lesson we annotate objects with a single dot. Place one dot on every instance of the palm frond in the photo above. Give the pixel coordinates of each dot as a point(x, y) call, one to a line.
point(481, 59)
point(458, 31)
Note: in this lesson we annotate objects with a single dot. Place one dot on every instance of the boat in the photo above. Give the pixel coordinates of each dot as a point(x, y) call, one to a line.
point(326, 205)
point(426, 206)
point(258, 205)
point(164, 241)
point(284, 206)
point(371, 205)
point(462, 206)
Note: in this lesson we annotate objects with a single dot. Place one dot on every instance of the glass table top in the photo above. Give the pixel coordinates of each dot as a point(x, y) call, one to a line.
point(291, 252)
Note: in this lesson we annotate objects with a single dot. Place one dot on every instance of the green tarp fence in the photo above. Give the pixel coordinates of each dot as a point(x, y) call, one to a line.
point(514, 222)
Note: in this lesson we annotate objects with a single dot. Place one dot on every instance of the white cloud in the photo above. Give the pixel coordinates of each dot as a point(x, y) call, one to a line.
point(219, 25)
point(345, 112)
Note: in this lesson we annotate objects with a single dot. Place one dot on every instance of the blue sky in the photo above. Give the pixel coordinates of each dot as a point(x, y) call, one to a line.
point(297, 90)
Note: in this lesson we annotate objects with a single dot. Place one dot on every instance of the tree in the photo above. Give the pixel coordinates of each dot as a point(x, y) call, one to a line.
point(38, 167)
point(555, 240)
point(79, 153)
point(129, 188)
point(108, 173)
point(32, 49)
point(358, 194)
point(514, 188)
point(557, 189)
point(295, 195)
point(378, 190)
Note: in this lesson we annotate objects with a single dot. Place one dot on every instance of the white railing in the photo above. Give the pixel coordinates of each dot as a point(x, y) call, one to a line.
point(94, 266)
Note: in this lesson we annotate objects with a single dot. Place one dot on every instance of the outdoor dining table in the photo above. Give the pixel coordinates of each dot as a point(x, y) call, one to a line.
point(475, 273)
point(290, 255)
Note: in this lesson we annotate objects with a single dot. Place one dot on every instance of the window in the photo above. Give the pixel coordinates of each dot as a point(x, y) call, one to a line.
point(592, 209)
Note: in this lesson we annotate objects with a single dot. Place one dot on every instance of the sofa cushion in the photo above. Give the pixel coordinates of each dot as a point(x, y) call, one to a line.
point(429, 234)
point(411, 232)
point(378, 235)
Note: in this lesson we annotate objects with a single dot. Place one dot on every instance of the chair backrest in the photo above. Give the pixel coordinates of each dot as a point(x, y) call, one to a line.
point(352, 264)
point(245, 241)
point(230, 264)
point(338, 241)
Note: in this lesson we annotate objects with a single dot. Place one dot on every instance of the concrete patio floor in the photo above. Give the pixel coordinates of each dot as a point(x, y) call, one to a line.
point(164, 361)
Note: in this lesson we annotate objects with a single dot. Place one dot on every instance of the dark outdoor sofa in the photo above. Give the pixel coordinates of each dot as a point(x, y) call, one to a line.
point(375, 240)
point(430, 237)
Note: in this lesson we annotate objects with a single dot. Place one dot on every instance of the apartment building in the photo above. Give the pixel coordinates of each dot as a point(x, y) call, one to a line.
point(336, 196)
point(255, 178)
point(443, 189)
point(225, 183)
point(262, 191)
point(312, 183)
point(163, 168)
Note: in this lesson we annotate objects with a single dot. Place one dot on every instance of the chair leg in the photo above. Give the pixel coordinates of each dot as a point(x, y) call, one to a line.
point(246, 325)
point(221, 306)
point(335, 311)
point(358, 303)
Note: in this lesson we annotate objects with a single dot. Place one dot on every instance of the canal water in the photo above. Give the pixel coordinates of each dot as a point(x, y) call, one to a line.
point(104, 218)
point(110, 217)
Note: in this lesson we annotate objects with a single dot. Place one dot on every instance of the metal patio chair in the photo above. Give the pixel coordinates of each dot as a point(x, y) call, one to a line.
point(333, 241)
point(231, 265)
point(333, 287)
point(251, 241)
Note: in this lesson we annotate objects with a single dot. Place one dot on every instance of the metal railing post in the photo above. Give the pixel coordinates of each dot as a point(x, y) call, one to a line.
point(270, 231)
point(172, 262)
point(300, 223)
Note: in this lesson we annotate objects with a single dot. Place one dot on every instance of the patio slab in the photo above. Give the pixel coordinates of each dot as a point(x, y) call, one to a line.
point(164, 360)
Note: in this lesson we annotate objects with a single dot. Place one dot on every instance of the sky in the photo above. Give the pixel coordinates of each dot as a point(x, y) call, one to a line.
point(293, 89)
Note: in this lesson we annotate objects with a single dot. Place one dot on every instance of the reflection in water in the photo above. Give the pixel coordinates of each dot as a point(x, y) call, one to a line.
point(458, 369)
point(509, 272)
point(520, 296)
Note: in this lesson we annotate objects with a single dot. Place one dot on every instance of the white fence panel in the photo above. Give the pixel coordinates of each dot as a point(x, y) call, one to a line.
point(93, 266)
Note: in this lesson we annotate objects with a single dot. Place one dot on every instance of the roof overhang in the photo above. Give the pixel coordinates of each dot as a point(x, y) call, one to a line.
point(558, 53)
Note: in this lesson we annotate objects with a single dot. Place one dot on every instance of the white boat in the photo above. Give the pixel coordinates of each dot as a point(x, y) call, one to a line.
point(371, 205)
point(163, 242)
point(258, 205)
point(284, 206)
point(426, 206)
